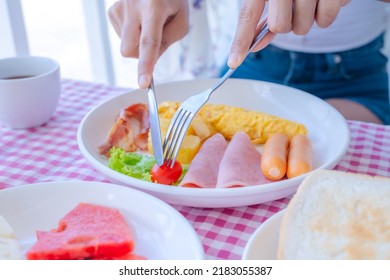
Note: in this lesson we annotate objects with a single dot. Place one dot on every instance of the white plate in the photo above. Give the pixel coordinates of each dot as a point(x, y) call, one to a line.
point(328, 132)
point(263, 244)
point(160, 231)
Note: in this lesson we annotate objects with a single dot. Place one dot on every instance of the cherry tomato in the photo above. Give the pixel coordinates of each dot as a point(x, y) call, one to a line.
point(165, 175)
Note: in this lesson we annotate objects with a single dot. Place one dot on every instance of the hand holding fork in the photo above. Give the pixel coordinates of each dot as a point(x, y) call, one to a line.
point(188, 109)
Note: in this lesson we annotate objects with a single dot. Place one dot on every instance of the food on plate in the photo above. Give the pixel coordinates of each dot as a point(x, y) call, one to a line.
point(129, 142)
point(228, 120)
point(202, 129)
point(133, 164)
point(166, 174)
point(337, 215)
point(129, 256)
point(130, 131)
point(299, 156)
point(240, 165)
point(234, 165)
point(88, 231)
point(189, 148)
point(136, 165)
point(274, 156)
point(192, 141)
point(281, 156)
point(9, 246)
point(205, 165)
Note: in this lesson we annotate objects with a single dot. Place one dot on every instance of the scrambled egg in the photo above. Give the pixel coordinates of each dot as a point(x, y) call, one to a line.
point(229, 120)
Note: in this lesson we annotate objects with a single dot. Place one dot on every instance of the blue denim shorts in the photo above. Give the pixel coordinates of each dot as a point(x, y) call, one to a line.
point(359, 74)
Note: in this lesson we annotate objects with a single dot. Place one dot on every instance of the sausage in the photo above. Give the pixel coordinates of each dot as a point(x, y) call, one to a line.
point(274, 156)
point(299, 156)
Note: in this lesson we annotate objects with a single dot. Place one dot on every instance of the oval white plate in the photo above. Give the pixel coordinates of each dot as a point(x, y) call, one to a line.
point(160, 231)
point(328, 132)
point(263, 244)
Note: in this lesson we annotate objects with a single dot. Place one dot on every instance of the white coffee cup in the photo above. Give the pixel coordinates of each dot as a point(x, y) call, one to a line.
point(30, 89)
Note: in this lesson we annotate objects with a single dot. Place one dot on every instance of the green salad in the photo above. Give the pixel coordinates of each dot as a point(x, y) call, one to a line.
point(135, 164)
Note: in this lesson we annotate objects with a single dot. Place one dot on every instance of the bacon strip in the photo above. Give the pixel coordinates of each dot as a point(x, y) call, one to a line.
point(203, 172)
point(130, 131)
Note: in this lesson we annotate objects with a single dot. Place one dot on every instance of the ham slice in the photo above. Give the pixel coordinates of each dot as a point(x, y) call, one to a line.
point(240, 165)
point(203, 172)
point(130, 131)
point(222, 165)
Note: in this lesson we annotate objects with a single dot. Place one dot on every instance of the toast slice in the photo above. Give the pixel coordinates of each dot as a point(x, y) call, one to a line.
point(337, 215)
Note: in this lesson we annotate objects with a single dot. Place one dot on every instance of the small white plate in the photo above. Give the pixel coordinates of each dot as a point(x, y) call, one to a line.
point(328, 132)
point(160, 232)
point(263, 244)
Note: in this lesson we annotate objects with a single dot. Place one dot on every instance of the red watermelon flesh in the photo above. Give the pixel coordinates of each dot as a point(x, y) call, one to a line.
point(87, 232)
point(129, 256)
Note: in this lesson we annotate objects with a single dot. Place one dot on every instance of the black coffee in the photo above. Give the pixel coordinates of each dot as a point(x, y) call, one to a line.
point(16, 77)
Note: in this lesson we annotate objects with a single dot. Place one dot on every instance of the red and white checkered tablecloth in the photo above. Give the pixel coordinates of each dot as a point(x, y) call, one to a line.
point(50, 153)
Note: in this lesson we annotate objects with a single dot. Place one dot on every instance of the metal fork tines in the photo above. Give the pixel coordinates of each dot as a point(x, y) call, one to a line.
point(180, 123)
point(188, 109)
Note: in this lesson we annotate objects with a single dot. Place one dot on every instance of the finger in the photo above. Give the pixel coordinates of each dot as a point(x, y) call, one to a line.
point(327, 11)
point(280, 16)
point(126, 24)
point(130, 34)
point(174, 30)
point(345, 2)
point(265, 41)
point(304, 16)
point(115, 15)
point(249, 17)
point(149, 48)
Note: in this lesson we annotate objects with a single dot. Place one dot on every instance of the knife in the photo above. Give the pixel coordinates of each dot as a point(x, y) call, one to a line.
point(155, 125)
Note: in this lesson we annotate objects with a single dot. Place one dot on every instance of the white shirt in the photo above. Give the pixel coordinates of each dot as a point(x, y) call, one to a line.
point(204, 50)
point(357, 24)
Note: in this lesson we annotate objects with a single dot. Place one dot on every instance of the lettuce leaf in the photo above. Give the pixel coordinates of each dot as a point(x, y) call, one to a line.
point(135, 164)
point(132, 164)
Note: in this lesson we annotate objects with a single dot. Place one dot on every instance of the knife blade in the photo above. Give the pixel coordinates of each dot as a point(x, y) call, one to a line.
point(155, 125)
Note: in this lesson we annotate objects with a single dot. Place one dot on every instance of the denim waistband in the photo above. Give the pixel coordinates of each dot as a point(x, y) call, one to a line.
point(375, 45)
point(300, 62)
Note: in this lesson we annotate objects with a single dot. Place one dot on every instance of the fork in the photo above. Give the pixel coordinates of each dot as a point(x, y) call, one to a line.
point(188, 109)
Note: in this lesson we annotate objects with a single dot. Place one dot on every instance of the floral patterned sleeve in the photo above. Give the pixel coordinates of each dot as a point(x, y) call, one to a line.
point(204, 50)
point(197, 4)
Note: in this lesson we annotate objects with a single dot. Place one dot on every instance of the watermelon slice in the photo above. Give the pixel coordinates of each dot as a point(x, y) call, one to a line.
point(87, 232)
point(129, 256)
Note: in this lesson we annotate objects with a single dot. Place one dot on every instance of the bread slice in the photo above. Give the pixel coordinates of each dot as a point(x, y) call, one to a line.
point(337, 215)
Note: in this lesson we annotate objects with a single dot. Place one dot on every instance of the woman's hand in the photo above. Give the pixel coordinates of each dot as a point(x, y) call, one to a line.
point(284, 16)
point(147, 28)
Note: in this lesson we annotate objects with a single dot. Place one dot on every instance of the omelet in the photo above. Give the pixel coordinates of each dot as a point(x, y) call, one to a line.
point(228, 120)
point(167, 109)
